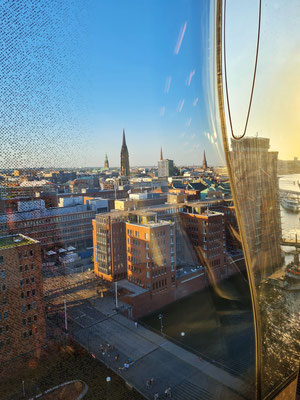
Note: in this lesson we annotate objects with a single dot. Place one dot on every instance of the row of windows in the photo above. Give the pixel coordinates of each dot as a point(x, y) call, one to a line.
point(28, 293)
point(54, 220)
point(159, 284)
point(26, 267)
point(29, 320)
point(28, 307)
point(26, 281)
point(159, 272)
point(25, 255)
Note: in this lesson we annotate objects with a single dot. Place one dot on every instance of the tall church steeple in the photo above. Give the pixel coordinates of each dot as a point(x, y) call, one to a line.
point(161, 154)
point(204, 165)
point(125, 170)
point(106, 163)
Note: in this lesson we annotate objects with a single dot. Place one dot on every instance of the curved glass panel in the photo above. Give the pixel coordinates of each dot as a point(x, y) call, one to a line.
point(122, 271)
point(264, 171)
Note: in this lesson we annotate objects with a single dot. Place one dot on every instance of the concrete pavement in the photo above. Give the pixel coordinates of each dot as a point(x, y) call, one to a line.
point(153, 356)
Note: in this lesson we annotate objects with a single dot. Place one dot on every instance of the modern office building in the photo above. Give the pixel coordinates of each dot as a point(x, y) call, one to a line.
point(109, 242)
point(54, 228)
point(165, 167)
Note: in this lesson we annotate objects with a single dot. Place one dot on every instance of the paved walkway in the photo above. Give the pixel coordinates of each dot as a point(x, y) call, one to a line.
point(152, 356)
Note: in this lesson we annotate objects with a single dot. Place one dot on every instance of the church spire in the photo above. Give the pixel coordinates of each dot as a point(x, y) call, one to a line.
point(124, 139)
point(106, 163)
point(204, 165)
point(125, 169)
point(161, 154)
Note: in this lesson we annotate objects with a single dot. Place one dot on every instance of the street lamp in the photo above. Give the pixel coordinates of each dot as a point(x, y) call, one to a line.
point(160, 317)
point(108, 379)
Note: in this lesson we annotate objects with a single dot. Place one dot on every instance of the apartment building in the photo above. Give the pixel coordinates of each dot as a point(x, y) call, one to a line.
point(22, 319)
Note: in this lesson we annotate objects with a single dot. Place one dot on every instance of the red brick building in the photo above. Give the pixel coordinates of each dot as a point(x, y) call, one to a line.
point(151, 254)
point(22, 319)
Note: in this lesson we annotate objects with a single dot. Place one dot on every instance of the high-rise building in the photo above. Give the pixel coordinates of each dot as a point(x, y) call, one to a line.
point(151, 254)
point(106, 163)
point(204, 164)
point(109, 240)
point(22, 319)
point(165, 167)
point(256, 182)
point(125, 169)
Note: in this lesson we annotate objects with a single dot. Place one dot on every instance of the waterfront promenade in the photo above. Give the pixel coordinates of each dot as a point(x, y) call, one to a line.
point(153, 357)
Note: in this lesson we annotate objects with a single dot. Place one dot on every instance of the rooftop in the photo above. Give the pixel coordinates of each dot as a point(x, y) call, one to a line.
point(131, 287)
point(15, 240)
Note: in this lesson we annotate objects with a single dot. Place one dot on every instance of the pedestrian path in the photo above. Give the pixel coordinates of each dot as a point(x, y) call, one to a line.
point(153, 356)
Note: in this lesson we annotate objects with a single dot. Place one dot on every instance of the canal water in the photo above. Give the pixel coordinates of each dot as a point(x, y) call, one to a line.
point(219, 325)
point(216, 326)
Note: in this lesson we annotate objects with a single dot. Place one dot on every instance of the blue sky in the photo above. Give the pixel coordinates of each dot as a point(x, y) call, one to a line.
point(79, 72)
point(74, 73)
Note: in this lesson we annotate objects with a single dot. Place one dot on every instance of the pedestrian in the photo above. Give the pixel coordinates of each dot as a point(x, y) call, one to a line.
point(156, 396)
point(116, 357)
point(151, 381)
point(136, 324)
point(148, 384)
point(168, 392)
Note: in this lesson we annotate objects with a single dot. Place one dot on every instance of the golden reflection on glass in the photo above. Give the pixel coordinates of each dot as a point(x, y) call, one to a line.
point(265, 175)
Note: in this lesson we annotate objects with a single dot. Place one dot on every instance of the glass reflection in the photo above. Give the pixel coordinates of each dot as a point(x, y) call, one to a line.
point(113, 167)
point(266, 197)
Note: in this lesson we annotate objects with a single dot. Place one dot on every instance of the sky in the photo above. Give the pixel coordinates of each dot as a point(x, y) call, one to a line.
point(75, 73)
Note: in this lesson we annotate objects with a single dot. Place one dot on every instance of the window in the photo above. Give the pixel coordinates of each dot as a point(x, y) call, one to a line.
point(24, 321)
point(3, 274)
point(32, 266)
point(33, 292)
point(28, 307)
point(20, 268)
point(27, 281)
point(34, 318)
point(5, 314)
point(26, 267)
point(4, 301)
point(1, 260)
point(32, 279)
point(34, 305)
point(22, 295)
point(3, 288)
point(27, 293)
point(31, 252)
